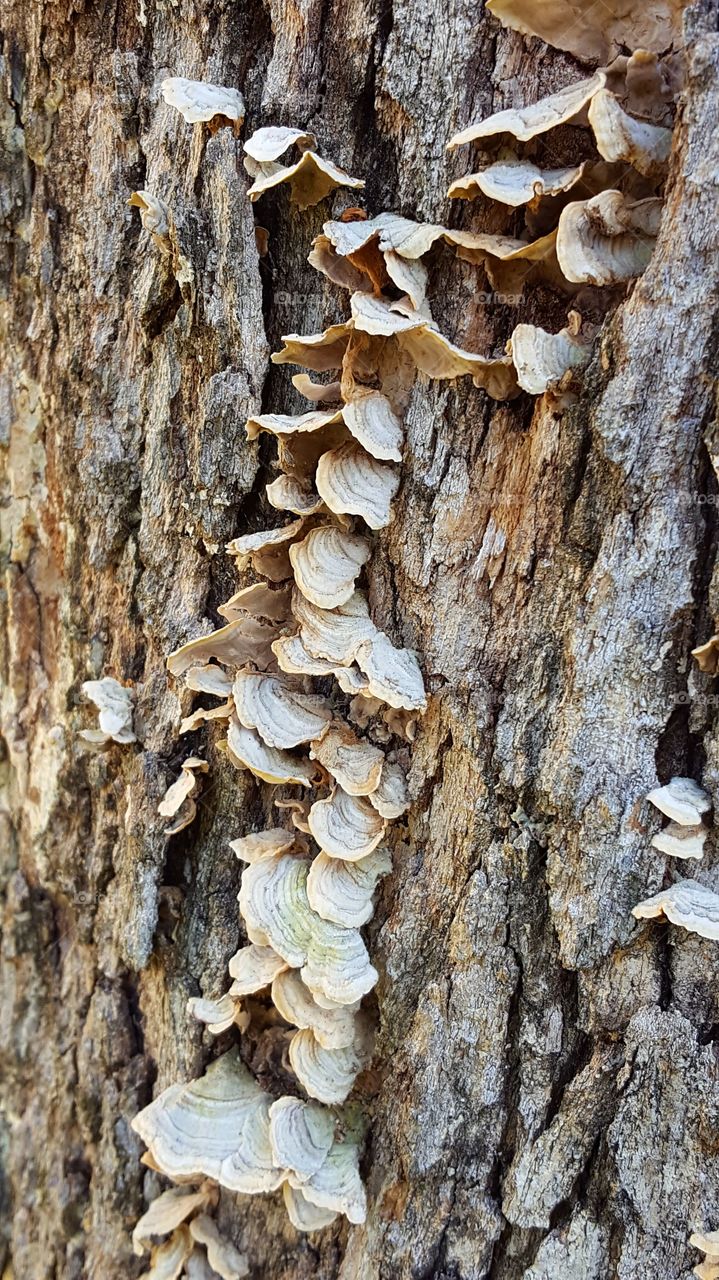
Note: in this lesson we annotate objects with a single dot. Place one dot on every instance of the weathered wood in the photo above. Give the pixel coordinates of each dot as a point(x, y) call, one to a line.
point(545, 1098)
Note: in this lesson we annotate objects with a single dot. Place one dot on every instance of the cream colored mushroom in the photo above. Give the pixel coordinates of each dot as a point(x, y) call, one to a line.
point(317, 351)
point(223, 1257)
point(346, 826)
point(393, 674)
point(291, 493)
point(246, 640)
point(390, 798)
point(682, 800)
point(337, 1184)
point(274, 904)
point(525, 123)
point(200, 102)
point(272, 141)
point(353, 762)
point(343, 891)
point(209, 679)
point(310, 179)
point(285, 424)
point(686, 903)
point(607, 239)
point(593, 32)
point(325, 1074)
point(334, 634)
point(257, 601)
point(707, 655)
point(154, 216)
point(282, 716)
point(326, 564)
point(168, 1259)
point(316, 392)
point(333, 1027)
point(267, 551)
point(301, 1135)
point(168, 1211)
point(515, 181)
point(254, 968)
point(350, 481)
point(193, 1129)
point(247, 750)
point(622, 138)
point(303, 1215)
point(114, 703)
point(203, 714)
point(263, 844)
point(681, 842)
point(374, 424)
point(543, 359)
point(178, 801)
point(218, 1015)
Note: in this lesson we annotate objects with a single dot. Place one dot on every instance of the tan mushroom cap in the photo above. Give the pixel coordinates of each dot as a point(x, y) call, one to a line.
point(168, 1211)
point(622, 138)
point(209, 678)
point(681, 842)
point(257, 601)
point(310, 179)
point(353, 762)
point(267, 551)
point(607, 239)
point(246, 640)
point(154, 214)
point(593, 32)
point(543, 359)
point(246, 749)
point(224, 1259)
point(707, 655)
point(337, 1184)
point(168, 1260)
point(686, 903)
point(177, 802)
point(525, 123)
point(263, 844)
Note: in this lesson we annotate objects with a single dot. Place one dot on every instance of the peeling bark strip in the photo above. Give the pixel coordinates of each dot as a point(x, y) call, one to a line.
point(545, 1089)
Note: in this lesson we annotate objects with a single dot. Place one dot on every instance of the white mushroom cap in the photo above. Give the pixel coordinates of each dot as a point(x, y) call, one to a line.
point(282, 715)
point(219, 1014)
point(353, 762)
point(681, 842)
point(682, 800)
point(301, 1134)
point(337, 1184)
point(325, 1074)
point(350, 481)
point(622, 138)
point(524, 123)
point(346, 826)
point(333, 1027)
point(343, 891)
point(262, 844)
point(114, 703)
point(514, 180)
point(258, 601)
point(267, 550)
point(606, 239)
point(310, 179)
point(271, 142)
point(254, 968)
point(246, 640)
point(198, 101)
point(374, 424)
point(686, 903)
point(543, 359)
point(391, 799)
point(303, 1215)
point(393, 675)
point(209, 679)
point(326, 564)
point(247, 750)
point(177, 801)
point(334, 634)
point(292, 493)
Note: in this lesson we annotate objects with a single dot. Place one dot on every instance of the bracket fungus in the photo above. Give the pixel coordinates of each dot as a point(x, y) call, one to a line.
point(154, 216)
point(607, 239)
point(346, 826)
point(311, 178)
point(198, 102)
point(686, 903)
point(328, 1075)
point(543, 360)
point(178, 801)
point(283, 716)
point(681, 842)
point(708, 1243)
point(682, 800)
point(593, 32)
point(343, 891)
point(326, 564)
point(114, 703)
point(333, 1027)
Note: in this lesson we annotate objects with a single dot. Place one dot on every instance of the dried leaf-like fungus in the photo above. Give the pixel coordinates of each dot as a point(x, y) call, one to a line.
point(686, 903)
point(114, 703)
point(326, 564)
point(257, 601)
point(301, 1135)
point(216, 1126)
point(621, 137)
point(607, 239)
point(267, 551)
point(353, 762)
point(311, 178)
point(346, 826)
point(292, 493)
point(343, 891)
point(542, 359)
point(374, 424)
point(168, 1259)
point(263, 844)
point(225, 1260)
point(707, 655)
point(154, 216)
point(681, 842)
point(391, 799)
point(247, 750)
point(333, 1027)
point(178, 801)
point(515, 181)
point(682, 800)
point(200, 102)
point(282, 716)
point(337, 1184)
point(218, 1015)
point(209, 679)
point(593, 32)
point(168, 1211)
point(350, 481)
point(334, 634)
point(245, 640)
point(276, 910)
point(708, 1242)
point(393, 674)
point(327, 1074)
point(525, 123)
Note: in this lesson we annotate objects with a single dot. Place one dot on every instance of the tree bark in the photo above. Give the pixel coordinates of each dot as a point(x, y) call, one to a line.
point(545, 1095)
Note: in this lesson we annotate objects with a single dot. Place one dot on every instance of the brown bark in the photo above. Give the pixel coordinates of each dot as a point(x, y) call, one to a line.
point(547, 1086)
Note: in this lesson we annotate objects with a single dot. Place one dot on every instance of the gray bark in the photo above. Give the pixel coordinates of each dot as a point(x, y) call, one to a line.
point(545, 1096)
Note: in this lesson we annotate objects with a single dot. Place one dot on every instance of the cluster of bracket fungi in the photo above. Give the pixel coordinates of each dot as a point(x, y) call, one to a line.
point(308, 886)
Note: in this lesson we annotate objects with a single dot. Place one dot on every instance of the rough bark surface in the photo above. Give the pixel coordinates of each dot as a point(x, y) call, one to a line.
point(545, 1099)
